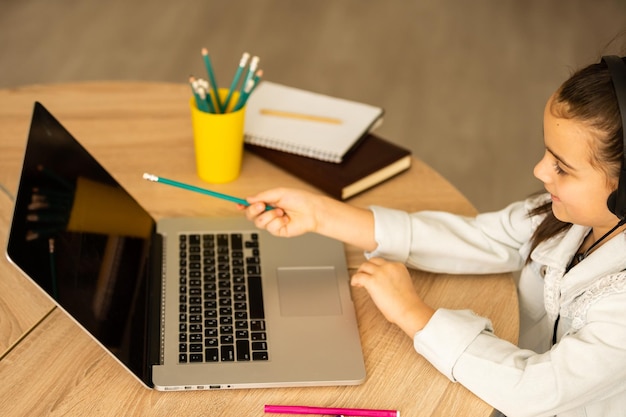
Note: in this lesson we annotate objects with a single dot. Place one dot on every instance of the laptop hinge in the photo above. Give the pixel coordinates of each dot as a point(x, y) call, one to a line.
point(154, 302)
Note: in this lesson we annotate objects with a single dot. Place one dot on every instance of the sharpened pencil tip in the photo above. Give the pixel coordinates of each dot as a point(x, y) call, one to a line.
point(150, 177)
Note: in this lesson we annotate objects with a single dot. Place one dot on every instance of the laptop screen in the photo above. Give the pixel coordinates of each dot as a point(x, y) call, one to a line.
point(81, 237)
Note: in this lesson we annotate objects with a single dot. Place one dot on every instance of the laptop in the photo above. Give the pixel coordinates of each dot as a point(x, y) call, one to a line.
point(182, 303)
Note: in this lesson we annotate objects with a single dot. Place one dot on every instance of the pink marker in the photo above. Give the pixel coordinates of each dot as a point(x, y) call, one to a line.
point(299, 409)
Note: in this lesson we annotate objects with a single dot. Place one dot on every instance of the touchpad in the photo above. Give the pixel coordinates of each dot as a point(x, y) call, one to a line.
point(308, 291)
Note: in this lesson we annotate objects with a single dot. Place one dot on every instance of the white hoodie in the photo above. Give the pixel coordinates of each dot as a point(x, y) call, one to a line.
point(584, 374)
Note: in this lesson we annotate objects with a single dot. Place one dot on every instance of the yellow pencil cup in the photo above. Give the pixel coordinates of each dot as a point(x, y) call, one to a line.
point(218, 141)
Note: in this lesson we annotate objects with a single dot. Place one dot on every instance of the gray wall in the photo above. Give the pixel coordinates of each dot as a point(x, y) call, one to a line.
point(463, 83)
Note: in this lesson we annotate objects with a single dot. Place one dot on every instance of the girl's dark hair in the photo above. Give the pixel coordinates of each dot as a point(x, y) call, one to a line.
point(587, 96)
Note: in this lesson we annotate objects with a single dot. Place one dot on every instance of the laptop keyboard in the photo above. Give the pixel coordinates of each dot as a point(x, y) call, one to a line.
point(221, 316)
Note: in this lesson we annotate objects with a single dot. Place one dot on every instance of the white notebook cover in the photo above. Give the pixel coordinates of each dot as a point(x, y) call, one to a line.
point(306, 123)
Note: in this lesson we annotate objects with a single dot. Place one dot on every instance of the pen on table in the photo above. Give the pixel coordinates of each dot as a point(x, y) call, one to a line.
point(242, 63)
point(301, 116)
point(155, 178)
point(299, 409)
point(211, 75)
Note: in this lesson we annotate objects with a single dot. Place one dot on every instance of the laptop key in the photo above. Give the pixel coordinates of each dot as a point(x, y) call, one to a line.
point(236, 241)
point(243, 350)
point(228, 353)
point(255, 295)
point(257, 325)
point(253, 269)
point(259, 346)
point(258, 336)
point(211, 355)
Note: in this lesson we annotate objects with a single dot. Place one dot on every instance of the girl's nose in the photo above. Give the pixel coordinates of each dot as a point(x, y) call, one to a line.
point(542, 169)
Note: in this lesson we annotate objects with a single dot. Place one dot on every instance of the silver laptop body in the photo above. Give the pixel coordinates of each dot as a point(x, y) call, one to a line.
point(79, 236)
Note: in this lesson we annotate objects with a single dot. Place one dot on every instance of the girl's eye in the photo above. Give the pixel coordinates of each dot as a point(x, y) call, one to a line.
point(558, 169)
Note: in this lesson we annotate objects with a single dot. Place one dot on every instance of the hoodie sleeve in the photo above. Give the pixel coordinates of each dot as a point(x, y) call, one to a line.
point(448, 243)
point(585, 371)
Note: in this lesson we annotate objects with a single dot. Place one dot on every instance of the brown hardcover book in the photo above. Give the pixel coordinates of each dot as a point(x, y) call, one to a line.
point(373, 161)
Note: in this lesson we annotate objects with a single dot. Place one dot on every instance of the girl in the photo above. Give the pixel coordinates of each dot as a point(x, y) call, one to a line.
point(569, 245)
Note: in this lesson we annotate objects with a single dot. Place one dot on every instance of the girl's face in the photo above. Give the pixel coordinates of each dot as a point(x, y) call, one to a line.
point(579, 190)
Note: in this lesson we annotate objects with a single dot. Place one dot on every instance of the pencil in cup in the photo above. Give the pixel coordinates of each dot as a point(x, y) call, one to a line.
point(202, 94)
point(211, 74)
point(233, 86)
point(218, 142)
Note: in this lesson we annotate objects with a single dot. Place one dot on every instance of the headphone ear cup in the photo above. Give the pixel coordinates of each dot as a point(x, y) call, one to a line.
point(611, 202)
point(617, 69)
point(617, 199)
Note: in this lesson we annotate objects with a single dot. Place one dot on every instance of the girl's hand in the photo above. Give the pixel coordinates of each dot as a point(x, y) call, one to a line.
point(390, 286)
point(293, 215)
point(297, 212)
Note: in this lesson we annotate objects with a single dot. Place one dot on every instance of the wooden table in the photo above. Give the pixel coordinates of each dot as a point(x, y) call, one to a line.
point(48, 366)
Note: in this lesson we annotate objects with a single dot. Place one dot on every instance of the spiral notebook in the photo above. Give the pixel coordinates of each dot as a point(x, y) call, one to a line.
point(306, 123)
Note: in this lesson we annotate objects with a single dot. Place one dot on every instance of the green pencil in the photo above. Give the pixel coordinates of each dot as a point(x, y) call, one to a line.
point(233, 86)
point(243, 96)
point(254, 63)
point(201, 103)
point(211, 74)
point(154, 178)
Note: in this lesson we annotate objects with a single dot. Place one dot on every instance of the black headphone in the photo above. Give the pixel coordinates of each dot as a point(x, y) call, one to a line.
point(617, 200)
